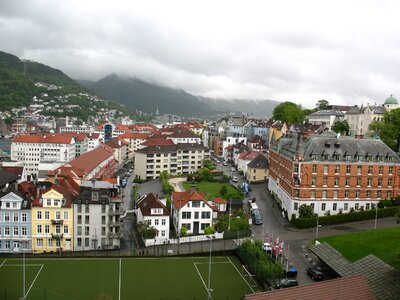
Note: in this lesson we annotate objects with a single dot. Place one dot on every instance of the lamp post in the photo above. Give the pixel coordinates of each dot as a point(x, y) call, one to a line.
point(376, 215)
point(209, 290)
point(316, 231)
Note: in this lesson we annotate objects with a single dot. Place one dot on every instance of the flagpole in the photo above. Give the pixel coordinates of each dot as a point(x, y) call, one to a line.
point(287, 258)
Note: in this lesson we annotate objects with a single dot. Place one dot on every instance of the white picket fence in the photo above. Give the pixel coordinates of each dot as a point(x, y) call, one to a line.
point(185, 239)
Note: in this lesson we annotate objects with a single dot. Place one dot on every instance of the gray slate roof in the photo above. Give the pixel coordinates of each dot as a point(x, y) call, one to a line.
point(382, 278)
point(7, 178)
point(328, 112)
point(348, 149)
point(260, 162)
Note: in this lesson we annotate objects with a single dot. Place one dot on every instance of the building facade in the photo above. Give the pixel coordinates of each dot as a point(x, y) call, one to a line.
point(15, 222)
point(332, 174)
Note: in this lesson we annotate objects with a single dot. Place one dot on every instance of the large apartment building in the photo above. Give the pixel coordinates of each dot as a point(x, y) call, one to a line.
point(97, 215)
point(183, 158)
point(333, 174)
point(34, 149)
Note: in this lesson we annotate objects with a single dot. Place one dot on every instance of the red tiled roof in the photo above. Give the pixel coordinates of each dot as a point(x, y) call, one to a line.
point(79, 136)
point(62, 189)
point(57, 138)
point(116, 143)
point(252, 155)
point(101, 126)
point(93, 135)
point(353, 288)
point(219, 200)
point(28, 188)
point(158, 142)
point(122, 127)
point(180, 199)
point(132, 135)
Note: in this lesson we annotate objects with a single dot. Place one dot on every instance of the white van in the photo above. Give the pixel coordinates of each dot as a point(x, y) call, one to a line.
point(253, 206)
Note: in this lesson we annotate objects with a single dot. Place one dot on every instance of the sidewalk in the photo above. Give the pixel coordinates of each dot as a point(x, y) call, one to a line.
point(177, 183)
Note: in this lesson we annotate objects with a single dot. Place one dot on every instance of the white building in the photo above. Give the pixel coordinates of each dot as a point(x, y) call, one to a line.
point(97, 215)
point(190, 209)
point(34, 149)
point(152, 210)
point(232, 140)
point(325, 117)
point(359, 118)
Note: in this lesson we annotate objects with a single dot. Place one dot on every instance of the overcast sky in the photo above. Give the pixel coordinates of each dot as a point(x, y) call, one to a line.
point(347, 52)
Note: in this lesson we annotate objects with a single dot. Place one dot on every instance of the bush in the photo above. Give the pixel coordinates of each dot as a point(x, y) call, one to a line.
point(138, 180)
point(387, 203)
point(167, 188)
point(183, 231)
point(306, 211)
point(344, 218)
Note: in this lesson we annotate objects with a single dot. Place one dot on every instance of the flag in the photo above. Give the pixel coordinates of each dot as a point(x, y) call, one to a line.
point(281, 248)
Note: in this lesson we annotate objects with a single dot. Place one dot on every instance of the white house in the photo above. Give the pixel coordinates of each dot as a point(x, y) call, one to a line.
point(190, 209)
point(152, 210)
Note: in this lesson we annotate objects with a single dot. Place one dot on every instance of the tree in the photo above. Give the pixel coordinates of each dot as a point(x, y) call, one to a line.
point(389, 129)
point(321, 104)
point(341, 127)
point(306, 211)
point(146, 231)
point(183, 231)
point(209, 230)
point(223, 190)
point(288, 112)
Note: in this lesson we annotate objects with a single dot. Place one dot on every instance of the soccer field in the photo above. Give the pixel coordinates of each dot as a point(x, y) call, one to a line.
point(125, 278)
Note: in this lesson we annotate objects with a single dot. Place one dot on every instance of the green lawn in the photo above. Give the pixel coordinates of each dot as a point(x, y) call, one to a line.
point(383, 243)
point(213, 188)
point(126, 278)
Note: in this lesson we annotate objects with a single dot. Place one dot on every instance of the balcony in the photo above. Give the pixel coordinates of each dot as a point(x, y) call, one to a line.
point(57, 222)
point(57, 236)
point(115, 212)
point(113, 235)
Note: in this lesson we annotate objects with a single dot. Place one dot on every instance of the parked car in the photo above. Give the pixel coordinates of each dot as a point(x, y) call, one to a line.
point(224, 164)
point(315, 274)
point(233, 169)
point(285, 283)
point(267, 247)
point(235, 179)
point(256, 216)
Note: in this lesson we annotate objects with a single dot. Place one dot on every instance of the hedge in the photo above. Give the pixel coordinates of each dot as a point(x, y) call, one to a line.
point(344, 218)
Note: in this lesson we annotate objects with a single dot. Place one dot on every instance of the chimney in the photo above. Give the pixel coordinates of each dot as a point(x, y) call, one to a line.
point(38, 192)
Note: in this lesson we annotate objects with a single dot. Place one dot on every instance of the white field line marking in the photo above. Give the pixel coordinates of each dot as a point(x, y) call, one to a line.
point(119, 282)
point(201, 277)
point(240, 274)
point(22, 265)
point(213, 263)
point(37, 275)
point(3, 263)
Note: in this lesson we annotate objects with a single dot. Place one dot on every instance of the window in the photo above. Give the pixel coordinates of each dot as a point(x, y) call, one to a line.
point(205, 215)
point(335, 194)
point(24, 231)
point(296, 168)
point(156, 221)
point(358, 181)
point(325, 181)
point(39, 215)
point(86, 219)
point(358, 193)
point(347, 181)
point(312, 205)
point(346, 193)
point(86, 242)
point(47, 215)
point(359, 169)
point(16, 217)
point(39, 228)
point(66, 229)
point(312, 194)
point(389, 195)
point(346, 206)
point(46, 228)
point(391, 170)
point(324, 194)
point(16, 231)
point(356, 206)
point(296, 206)
point(389, 182)
point(313, 181)
point(103, 209)
point(87, 208)
point(367, 206)
point(368, 194)
point(314, 169)
point(79, 230)
point(50, 242)
point(24, 217)
point(39, 242)
point(380, 170)
point(187, 225)
point(58, 215)
point(195, 203)
point(379, 194)
point(337, 169)
point(326, 168)
point(86, 230)
point(323, 206)
point(370, 169)
point(103, 220)
point(65, 215)
point(79, 242)
point(162, 232)
point(58, 229)
point(163, 222)
point(379, 182)
point(7, 244)
point(79, 208)
point(336, 181)
point(334, 207)
point(348, 169)
point(79, 221)
point(369, 181)
point(48, 202)
point(186, 215)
